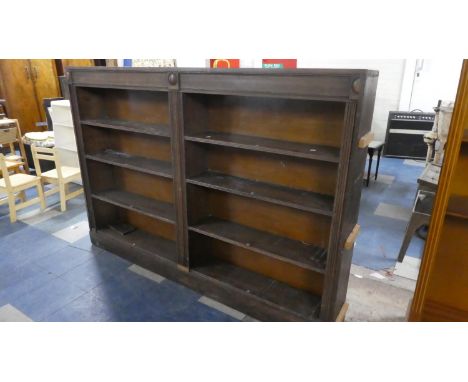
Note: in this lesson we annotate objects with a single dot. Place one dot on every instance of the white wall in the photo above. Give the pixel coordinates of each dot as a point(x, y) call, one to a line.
point(437, 80)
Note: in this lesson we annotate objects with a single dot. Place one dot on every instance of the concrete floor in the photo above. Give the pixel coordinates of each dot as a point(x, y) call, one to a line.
point(372, 299)
point(379, 288)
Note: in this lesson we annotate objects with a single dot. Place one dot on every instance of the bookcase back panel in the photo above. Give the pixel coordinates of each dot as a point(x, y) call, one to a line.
point(101, 176)
point(298, 173)
point(146, 185)
point(149, 225)
point(110, 215)
point(124, 105)
point(134, 182)
point(278, 220)
point(105, 214)
point(100, 139)
point(302, 121)
point(290, 274)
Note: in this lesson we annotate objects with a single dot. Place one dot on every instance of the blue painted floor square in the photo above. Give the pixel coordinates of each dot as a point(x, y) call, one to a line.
point(63, 260)
point(85, 308)
point(50, 297)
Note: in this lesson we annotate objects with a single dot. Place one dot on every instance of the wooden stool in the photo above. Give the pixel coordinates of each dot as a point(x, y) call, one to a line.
point(371, 149)
point(421, 215)
point(10, 135)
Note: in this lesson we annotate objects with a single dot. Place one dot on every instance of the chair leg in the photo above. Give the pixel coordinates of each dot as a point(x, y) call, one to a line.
point(63, 198)
point(415, 222)
point(40, 193)
point(12, 206)
point(22, 196)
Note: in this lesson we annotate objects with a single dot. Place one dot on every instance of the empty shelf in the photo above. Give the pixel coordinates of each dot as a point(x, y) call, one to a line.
point(301, 150)
point(291, 251)
point(274, 292)
point(130, 126)
point(151, 244)
point(289, 197)
point(146, 165)
point(147, 206)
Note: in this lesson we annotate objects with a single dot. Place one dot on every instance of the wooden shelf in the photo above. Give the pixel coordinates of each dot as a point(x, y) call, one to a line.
point(147, 206)
point(458, 206)
point(130, 126)
point(289, 197)
point(274, 292)
point(284, 249)
point(153, 245)
point(149, 166)
point(300, 150)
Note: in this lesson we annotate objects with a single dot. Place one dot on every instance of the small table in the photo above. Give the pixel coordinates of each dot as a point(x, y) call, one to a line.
point(371, 149)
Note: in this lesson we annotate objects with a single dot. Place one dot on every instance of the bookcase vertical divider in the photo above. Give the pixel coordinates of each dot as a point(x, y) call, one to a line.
point(178, 160)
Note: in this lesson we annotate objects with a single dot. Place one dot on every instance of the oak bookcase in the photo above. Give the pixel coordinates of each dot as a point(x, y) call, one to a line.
point(241, 184)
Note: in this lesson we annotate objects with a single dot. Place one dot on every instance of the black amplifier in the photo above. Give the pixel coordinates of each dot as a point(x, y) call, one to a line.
point(405, 134)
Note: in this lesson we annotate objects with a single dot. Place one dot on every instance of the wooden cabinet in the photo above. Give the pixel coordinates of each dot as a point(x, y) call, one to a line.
point(242, 184)
point(442, 289)
point(25, 83)
point(64, 63)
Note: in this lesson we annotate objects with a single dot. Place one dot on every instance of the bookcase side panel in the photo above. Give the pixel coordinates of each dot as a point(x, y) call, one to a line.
point(81, 154)
point(358, 123)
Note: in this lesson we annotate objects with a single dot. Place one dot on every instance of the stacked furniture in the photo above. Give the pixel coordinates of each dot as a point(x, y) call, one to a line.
point(241, 184)
point(442, 289)
point(24, 84)
point(11, 140)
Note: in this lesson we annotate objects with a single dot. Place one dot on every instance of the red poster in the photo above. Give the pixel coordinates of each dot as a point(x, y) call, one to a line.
point(224, 63)
point(279, 63)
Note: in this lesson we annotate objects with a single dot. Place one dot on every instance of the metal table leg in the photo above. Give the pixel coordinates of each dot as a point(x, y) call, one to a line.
point(379, 153)
point(370, 151)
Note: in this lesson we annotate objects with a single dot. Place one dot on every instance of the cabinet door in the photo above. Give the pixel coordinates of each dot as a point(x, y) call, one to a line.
point(18, 88)
point(46, 83)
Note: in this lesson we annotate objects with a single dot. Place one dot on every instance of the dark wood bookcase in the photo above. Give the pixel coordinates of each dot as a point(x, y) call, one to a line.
point(241, 184)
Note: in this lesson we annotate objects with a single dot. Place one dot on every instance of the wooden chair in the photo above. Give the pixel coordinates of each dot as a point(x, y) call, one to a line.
point(10, 134)
point(60, 176)
point(14, 186)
